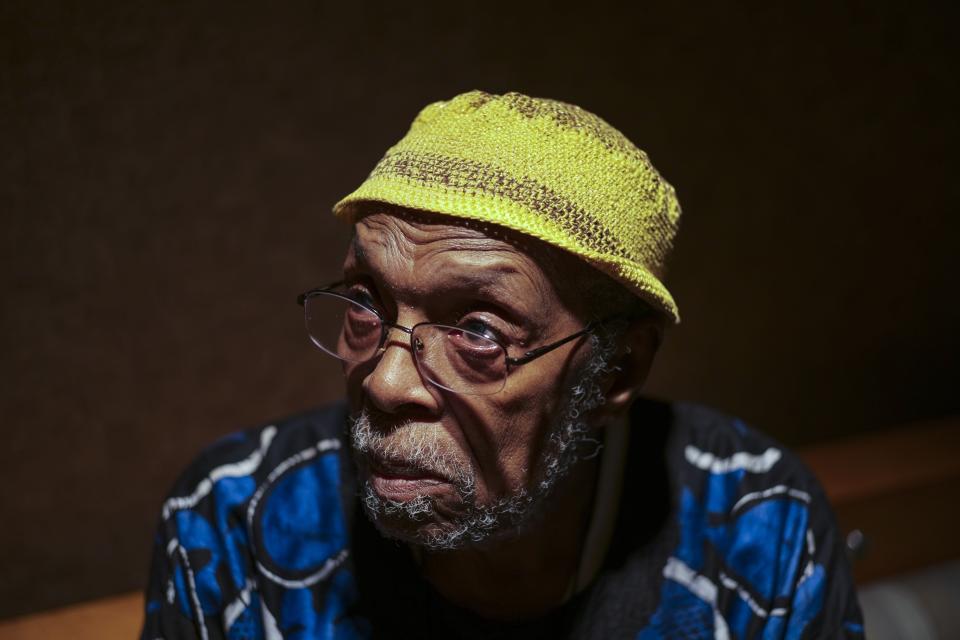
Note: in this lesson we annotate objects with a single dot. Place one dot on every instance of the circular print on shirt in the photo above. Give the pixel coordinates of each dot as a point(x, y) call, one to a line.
point(298, 523)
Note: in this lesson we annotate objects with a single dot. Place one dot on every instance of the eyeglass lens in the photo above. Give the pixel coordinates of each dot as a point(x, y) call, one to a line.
point(451, 357)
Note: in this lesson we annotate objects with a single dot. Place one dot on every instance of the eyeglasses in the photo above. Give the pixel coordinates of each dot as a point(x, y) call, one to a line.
point(450, 357)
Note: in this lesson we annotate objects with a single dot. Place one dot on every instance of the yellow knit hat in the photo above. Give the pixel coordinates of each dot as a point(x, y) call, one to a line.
point(544, 168)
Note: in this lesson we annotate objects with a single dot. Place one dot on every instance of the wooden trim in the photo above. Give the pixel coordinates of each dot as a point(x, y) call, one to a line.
point(117, 617)
point(900, 488)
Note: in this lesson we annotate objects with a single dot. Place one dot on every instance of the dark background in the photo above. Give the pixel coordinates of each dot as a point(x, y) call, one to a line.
point(167, 170)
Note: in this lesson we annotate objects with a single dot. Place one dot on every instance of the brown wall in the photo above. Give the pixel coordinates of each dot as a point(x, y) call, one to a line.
point(166, 172)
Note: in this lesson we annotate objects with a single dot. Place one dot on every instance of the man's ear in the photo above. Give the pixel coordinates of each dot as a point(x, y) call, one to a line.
point(631, 365)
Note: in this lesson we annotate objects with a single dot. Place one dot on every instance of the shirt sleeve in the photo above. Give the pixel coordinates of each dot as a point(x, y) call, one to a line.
point(199, 561)
point(278, 484)
point(759, 552)
point(824, 600)
point(169, 612)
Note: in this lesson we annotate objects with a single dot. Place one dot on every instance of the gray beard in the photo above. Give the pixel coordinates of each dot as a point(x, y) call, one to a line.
point(568, 442)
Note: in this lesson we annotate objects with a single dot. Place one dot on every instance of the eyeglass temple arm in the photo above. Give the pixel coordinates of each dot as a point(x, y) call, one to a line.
point(536, 353)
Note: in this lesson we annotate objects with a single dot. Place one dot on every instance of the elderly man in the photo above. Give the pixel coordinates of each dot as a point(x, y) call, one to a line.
point(500, 306)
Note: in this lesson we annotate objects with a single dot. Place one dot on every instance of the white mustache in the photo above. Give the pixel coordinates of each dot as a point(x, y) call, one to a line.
point(409, 447)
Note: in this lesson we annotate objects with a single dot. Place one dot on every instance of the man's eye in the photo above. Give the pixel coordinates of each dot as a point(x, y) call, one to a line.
point(479, 327)
point(361, 296)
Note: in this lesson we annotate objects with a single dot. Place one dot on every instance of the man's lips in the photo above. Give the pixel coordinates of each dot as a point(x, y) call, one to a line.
point(401, 483)
point(398, 471)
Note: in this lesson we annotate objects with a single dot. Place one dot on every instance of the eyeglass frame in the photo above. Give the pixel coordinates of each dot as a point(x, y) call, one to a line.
point(510, 361)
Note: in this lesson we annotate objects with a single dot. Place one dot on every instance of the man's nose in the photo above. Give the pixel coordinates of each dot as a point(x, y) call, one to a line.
point(395, 383)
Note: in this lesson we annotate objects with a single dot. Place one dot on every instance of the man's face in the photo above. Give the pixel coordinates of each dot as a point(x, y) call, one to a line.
point(437, 464)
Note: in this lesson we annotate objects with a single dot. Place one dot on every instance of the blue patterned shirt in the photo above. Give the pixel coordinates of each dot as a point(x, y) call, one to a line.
point(720, 533)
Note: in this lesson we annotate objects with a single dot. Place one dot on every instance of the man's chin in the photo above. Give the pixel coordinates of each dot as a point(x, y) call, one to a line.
point(437, 524)
point(415, 519)
point(420, 534)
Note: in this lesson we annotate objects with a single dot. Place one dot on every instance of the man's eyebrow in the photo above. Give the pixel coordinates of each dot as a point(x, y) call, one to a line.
point(498, 283)
point(485, 279)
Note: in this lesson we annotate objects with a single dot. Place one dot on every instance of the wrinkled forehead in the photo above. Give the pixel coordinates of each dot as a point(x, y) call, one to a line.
point(415, 238)
point(432, 249)
point(378, 224)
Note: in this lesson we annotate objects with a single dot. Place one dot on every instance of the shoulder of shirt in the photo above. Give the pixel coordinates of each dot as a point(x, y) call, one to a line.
point(259, 449)
point(703, 438)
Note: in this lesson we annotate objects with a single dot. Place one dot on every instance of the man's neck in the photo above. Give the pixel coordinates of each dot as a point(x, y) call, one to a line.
point(528, 574)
